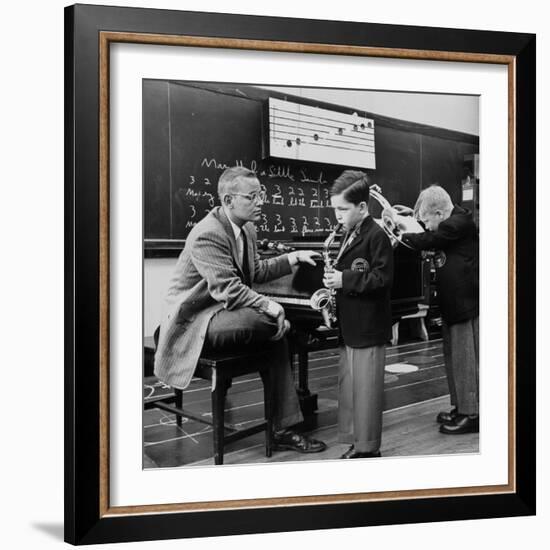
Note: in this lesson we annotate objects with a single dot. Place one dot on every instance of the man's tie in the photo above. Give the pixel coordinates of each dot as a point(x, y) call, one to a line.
point(244, 258)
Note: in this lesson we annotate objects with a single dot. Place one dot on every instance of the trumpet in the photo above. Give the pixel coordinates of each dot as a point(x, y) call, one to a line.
point(391, 221)
point(324, 300)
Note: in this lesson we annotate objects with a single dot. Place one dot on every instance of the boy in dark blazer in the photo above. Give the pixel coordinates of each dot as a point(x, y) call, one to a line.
point(362, 278)
point(452, 234)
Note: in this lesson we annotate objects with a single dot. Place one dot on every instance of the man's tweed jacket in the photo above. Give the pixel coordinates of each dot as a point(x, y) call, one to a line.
point(206, 279)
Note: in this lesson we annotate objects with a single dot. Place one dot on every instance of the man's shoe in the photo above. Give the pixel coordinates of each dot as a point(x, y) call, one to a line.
point(462, 424)
point(293, 441)
point(352, 453)
point(447, 417)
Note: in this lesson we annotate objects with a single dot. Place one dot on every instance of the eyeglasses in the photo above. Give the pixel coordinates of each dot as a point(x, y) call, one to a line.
point(253, 197)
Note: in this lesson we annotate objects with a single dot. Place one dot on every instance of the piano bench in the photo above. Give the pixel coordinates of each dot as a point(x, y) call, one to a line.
point(220, 368)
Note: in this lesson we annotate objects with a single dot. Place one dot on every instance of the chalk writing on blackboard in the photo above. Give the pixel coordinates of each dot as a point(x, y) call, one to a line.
point(305, 179)
point(297, 202)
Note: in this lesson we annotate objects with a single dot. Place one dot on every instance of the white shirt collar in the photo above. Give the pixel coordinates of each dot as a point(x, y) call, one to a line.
point(236, 229)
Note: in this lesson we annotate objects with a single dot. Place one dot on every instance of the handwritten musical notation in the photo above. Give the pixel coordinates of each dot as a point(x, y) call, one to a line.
point(305, 133)
point(297, 197)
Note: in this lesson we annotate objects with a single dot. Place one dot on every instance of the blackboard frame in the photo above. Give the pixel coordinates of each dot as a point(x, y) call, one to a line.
point(88, 515)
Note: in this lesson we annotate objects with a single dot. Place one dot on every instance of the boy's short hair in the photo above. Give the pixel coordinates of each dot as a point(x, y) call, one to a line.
point(355, 186)
point(431, 199)
point(229, 180)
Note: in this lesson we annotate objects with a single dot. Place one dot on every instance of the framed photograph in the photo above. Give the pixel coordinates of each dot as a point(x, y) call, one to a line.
point(161, 106)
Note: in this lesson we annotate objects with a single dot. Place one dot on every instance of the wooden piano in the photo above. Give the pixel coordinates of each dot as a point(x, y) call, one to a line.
point(308, 333)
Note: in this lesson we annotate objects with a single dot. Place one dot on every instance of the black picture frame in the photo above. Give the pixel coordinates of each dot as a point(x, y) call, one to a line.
point(88, 517)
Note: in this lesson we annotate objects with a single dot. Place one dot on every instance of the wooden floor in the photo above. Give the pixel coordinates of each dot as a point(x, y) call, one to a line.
point(412, 400)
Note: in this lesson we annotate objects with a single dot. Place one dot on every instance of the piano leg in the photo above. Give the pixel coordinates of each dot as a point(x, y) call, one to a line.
point(299, 342)
point(308, 400)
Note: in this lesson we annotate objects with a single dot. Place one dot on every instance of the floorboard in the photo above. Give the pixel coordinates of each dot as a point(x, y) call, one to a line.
point(412, 400)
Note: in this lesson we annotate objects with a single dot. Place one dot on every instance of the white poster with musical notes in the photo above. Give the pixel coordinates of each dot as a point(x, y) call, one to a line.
point(305, 133)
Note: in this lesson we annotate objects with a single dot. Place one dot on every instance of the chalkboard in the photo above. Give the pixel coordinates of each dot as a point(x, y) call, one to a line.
point(192, 134)
point(193, 131)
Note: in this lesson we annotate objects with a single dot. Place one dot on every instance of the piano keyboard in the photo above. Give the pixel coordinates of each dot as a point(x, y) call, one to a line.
point(290, 300)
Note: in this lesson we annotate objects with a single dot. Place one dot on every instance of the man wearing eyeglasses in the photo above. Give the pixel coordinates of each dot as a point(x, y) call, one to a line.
point(210, 302)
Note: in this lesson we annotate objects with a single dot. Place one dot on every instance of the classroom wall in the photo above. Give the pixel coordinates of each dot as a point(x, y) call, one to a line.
point(156, 273)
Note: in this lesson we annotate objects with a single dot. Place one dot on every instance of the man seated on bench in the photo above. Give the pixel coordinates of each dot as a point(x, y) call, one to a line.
point(210, 303)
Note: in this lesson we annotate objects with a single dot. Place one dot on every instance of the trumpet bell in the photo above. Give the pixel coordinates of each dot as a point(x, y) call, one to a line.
point(388, 218)
point(393, 224)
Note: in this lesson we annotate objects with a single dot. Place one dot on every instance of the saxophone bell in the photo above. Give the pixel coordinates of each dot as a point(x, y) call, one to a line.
point(321, 301)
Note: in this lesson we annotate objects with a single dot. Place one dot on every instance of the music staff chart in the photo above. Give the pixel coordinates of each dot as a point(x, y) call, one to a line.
point(305, 133)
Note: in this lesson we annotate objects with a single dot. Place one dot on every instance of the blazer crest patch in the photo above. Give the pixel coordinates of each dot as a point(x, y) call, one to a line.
point(360, 264)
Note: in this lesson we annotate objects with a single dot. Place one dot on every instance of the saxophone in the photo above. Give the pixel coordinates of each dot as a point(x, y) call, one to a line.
point(324, 300)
